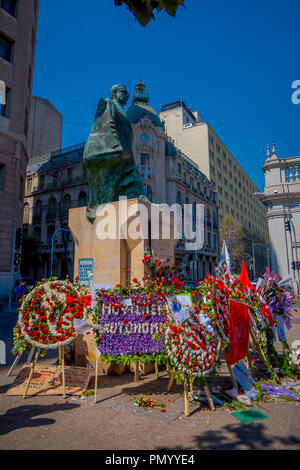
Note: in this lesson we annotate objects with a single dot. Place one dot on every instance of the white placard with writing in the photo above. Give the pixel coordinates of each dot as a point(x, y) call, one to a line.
point(95, 288)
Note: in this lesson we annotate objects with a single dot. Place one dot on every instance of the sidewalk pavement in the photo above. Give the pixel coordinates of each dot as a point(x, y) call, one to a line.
point(115, 423)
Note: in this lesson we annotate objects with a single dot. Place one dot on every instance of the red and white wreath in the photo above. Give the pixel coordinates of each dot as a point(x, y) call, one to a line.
point(47, 313)
point(191, 347)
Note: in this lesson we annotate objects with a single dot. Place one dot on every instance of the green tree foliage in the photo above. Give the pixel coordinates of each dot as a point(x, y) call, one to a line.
point(231, 231)
point(143, 10)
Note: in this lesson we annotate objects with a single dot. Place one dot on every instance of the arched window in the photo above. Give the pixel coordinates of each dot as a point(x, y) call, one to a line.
point(26, 213)
point(38, 208)
point(52, 208)
point(178, 198)
point(66, 204)
point(82, 199)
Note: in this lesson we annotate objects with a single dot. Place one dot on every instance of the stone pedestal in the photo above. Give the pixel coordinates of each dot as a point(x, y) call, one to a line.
point(119, 237)
point(116, 242)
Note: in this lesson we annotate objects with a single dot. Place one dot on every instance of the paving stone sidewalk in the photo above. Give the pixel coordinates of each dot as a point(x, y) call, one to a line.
point(115, 423)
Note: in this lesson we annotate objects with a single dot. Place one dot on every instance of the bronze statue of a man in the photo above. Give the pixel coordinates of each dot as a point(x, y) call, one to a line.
point(110, 166)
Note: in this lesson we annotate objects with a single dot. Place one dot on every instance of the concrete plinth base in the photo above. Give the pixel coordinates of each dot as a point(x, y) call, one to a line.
point(119, 238)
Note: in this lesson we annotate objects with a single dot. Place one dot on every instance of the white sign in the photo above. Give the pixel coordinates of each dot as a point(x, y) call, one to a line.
point(95, 288)
point(182, 315)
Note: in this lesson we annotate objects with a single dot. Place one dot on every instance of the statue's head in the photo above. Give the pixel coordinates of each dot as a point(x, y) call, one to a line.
point(120, 93)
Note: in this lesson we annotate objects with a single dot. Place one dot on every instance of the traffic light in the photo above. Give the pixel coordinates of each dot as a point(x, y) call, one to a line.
point(19, 236)
point(17, 260)
point(293, 265)
point(287, 225)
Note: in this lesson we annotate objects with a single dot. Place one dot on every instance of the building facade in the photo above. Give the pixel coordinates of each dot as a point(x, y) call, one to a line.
point(18, 24)
point(45, 128)
point(57, 182)
point(282, 198)
point(236, 191)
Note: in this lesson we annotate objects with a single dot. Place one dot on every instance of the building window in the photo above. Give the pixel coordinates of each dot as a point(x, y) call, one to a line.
point(42, 181)
point(144, 158)
point(6, 48)
point(55, 178)
point(209, 240)
point(66, 204)
point(179, 168)
point(4, 108)
point(38, 210)
point(178, 198)
point(52, 208)
point(69, 174)
point(10, 6)
point(82, 200)
point(2, 169)
point(26, 213)
point(29, 185)
point(50, 232)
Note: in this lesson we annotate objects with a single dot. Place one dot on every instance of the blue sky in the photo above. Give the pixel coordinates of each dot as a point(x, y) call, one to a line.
point(234, 61)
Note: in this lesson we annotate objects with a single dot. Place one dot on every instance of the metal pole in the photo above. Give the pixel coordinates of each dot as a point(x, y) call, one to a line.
point(12, 270)
point(52, 245)
point(295, 242)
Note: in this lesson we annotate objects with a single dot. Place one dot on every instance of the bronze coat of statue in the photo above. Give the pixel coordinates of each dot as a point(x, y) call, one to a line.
point(110, 166)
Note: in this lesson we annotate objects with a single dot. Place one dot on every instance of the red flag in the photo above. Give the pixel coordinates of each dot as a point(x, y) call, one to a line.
point(244, 278)
point(238, 331)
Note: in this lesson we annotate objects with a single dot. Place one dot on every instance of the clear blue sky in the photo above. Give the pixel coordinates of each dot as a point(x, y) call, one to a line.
point(234, 61)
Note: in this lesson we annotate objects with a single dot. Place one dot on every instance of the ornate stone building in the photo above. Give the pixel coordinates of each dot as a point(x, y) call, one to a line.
point(18, 25)
point(282, 197)
point(57, 182)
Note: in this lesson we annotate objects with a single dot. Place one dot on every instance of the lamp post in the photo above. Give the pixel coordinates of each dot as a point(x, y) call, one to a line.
point(12, 270)
point(52, 245)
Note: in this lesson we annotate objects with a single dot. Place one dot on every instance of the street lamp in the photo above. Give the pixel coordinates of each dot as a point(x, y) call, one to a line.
point(52, 245)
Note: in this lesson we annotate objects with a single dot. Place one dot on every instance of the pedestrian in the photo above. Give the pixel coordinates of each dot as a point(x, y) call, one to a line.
point(17, 292)
point(14, 291)
point(23, 288)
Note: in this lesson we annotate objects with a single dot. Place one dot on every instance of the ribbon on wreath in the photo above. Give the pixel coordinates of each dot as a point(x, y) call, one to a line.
point(85, 301)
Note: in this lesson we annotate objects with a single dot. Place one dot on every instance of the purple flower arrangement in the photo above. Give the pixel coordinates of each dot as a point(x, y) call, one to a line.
point(130, 324)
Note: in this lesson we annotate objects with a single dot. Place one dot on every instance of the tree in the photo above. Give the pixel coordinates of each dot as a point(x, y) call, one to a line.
point(258, 247)
point(231, 231)
point(143, 10)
